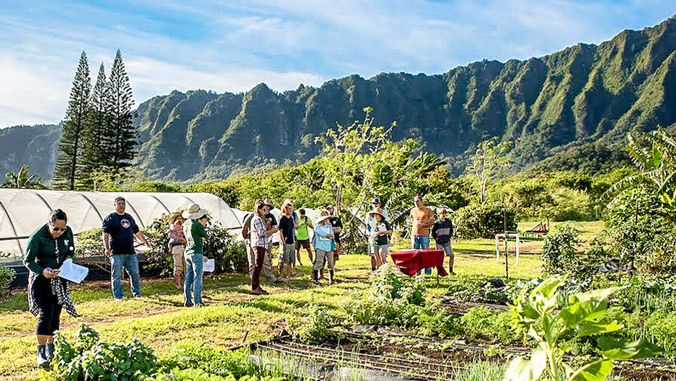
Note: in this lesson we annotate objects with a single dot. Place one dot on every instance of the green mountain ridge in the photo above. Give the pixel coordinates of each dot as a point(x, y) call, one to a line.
point(582, 99)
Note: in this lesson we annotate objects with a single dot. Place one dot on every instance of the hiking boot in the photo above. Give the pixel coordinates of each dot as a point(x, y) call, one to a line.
point(315, 276)
point(331, 281)
point(49, 351)
point(43, 362)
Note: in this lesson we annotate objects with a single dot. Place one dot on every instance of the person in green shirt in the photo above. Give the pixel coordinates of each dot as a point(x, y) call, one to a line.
point(48, 247)
point(303, 236)
point(196, 237)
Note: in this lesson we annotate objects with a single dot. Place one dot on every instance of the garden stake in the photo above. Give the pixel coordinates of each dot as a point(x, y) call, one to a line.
point(504, 225)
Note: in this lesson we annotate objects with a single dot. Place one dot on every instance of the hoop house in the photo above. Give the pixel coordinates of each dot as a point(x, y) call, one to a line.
point(24, 210)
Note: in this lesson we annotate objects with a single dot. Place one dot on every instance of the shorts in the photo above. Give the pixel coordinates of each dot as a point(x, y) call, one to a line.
point(177, 256)
point(446, 247)
point(287, 253)
point(304, 243)
point(380, 249)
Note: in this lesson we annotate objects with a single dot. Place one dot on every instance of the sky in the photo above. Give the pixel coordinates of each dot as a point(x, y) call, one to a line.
point(230, 46)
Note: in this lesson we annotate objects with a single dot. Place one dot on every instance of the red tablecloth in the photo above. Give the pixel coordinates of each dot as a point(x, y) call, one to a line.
point(410, 261)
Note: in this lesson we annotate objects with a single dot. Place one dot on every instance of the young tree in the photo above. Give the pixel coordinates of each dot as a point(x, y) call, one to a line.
point(98, 120)
point(69, 164)
point(120, 137)
point(489, 162)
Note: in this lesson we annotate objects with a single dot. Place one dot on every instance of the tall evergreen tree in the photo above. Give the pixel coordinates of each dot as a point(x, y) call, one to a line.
point(121, 135)
point(69, 163)
point(98, 121)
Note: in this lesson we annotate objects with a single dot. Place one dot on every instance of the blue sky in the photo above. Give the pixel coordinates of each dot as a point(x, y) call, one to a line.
point(232, 46)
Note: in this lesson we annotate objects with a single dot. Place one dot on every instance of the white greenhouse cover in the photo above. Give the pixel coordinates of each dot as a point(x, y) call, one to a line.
point(22, 211)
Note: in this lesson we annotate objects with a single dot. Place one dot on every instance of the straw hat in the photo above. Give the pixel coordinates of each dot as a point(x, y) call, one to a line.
point(323, 216)
point(174, 216)
point(194, 212)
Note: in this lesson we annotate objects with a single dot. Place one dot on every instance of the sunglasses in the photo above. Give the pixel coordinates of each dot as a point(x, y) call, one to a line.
point(58, 229)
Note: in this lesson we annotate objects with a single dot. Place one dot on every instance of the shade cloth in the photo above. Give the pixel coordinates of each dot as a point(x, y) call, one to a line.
point(410, 261)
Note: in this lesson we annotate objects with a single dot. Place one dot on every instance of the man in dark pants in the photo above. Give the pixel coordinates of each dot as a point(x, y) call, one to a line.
point(119, 229)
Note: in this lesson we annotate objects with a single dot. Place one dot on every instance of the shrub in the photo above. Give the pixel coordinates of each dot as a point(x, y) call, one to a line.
point(313, 328)
point(482, 220)
point(89, 242)
point(92, 359)
point(6, 278)
point(229, 254)
point(558, 251)
point(483, 323)
point(390, 299)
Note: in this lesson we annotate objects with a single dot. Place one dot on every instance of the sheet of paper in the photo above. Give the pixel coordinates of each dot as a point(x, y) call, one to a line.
point(142, 249)
point(209, 266)
point(73, 272)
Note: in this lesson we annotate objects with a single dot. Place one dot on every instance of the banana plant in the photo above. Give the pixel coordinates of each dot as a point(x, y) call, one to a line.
point(538, 316)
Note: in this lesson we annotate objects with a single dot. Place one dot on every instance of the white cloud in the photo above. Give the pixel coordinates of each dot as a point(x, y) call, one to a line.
point(226, 46)
point(152, 77)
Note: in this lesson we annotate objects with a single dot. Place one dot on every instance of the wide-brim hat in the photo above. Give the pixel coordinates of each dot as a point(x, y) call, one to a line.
point(268, 203)
point(174, 216)
point(378, 212)
point(323, 216)
point(194, 212)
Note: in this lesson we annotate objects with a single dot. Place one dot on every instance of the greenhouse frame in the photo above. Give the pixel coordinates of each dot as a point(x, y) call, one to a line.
point(22, 211)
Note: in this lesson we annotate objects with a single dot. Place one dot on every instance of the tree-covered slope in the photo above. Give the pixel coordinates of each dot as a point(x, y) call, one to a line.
point(582, 94)
point(35, 146)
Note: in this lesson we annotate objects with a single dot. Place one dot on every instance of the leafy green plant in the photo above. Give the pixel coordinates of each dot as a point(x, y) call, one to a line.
point(92, 359)
point(390, 299)
point(89, 242)
point(6, 278)
point(313, 328)
point(558, 251)
point(212, 361)
point(583, 316)
point(229, 254)
point(483, 322)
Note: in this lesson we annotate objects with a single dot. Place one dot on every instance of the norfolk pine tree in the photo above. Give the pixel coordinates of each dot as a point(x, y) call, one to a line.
point(98, 121)
point(120, 137)
point(69, 163)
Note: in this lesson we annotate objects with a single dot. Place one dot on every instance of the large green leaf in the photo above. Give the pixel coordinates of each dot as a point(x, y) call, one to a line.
point(597, 370)
point(587, 328)
point(623, 349)
point(524, 370)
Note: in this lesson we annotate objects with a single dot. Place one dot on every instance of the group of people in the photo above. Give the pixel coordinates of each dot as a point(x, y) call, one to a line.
point(51, 244)
point(422, 218)
point(292, 229)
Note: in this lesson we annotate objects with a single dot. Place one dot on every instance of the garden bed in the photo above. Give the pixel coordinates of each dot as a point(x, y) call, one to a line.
point(379, 353)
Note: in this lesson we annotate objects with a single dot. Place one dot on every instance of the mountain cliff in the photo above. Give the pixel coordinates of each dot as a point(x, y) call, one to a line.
point(582, 99)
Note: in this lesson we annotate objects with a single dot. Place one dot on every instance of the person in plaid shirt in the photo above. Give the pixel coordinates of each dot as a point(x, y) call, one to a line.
point(259, 235)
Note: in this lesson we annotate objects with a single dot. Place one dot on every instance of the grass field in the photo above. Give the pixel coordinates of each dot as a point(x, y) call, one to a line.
point(232, 315)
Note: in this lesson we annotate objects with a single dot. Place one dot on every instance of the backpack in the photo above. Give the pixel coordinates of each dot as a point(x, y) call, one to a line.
point(245, 228)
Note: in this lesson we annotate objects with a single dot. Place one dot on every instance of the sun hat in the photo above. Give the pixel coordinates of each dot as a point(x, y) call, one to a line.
point(377, 211)
point(194, 212)
point(268, 203)
point(323, 216)
point(174, 216)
